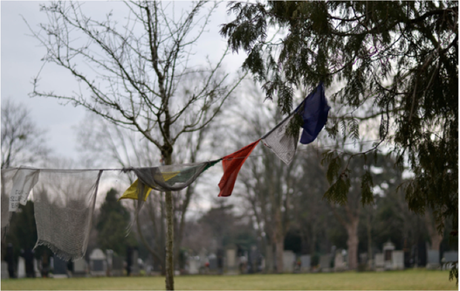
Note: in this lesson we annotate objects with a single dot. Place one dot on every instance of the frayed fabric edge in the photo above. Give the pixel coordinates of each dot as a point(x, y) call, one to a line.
point(58, 252)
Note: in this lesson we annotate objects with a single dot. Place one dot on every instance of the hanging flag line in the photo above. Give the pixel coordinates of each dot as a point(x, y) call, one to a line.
point(62, 196)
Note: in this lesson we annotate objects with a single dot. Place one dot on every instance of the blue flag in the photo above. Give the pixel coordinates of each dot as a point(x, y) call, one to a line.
point(314, 114)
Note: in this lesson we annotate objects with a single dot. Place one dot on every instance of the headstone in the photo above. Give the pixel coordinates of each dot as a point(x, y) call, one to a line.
point(339, 263)
point(448, 258)
point(21, 268)
point(451, 256)
point(397, 257)
point(388, 249)
point(80, 268)
point(5, 274)
point(135, 270)
point(193, 266)
point(117, 266)
point(97, 263)
point(379, 262)
point(433, 260)
point(231, 259)
point(59, 268)
point(325, 263)
point(212, 262)
point(305, 262)
point(288, 261)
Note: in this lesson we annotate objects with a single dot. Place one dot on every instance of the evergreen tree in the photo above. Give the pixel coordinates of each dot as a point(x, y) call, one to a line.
point(112, 224)
point(22, 232)
point(395, 61)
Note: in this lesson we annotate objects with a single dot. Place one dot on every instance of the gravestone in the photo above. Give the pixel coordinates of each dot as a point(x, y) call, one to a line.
point(305, 262)
point(230, 257)
point(193, 266)
point(80, 268)
point(288, 261)
point(135, 270)
point(59, 268)
point(388, 249)
point(325, 263)
point(212, 262)
point(5, 274)
point(21, 267)
point(379, 262)
point(397, 257)
point(433, 260)
point(339, 263)
point(97, 263)
point(117, 266)
point(448, 258)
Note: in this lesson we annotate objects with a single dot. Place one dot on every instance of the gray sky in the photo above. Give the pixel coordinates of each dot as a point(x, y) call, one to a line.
point(21, 61)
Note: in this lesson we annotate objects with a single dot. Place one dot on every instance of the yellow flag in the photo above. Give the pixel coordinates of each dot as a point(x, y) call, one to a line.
point(131, 192)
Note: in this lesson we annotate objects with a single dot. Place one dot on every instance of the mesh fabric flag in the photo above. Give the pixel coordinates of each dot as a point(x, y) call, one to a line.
point(16, 186)
point(7, 185)
point(281, 142)
point(64, 204)
point(314, 114)
point(232, 165)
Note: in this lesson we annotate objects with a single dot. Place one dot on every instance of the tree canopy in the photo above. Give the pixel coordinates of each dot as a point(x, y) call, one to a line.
point(23, 143)
point(395, 64)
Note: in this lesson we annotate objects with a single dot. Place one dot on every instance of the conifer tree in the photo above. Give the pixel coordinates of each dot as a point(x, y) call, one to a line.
point(112, 223)
point(396, 64)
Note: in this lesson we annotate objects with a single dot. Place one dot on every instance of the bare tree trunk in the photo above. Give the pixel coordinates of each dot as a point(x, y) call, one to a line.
point(279, 241)
point(169, 241)
point(269, 266)
point(352, 243)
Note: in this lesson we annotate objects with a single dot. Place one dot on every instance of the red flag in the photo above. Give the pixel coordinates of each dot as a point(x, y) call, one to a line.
point(232, 165)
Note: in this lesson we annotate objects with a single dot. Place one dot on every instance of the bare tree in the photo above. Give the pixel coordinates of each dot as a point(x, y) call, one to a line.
point(136, 74)
point(23, 143)
point(267, 182)
point(126, 148)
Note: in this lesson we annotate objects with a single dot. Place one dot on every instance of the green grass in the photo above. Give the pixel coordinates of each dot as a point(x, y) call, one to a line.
point(397, 280)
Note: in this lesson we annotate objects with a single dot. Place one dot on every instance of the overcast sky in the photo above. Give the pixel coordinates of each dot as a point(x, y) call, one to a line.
point(21, 57)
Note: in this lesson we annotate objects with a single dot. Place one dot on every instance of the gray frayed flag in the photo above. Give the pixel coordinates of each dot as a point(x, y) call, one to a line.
point(281, 142)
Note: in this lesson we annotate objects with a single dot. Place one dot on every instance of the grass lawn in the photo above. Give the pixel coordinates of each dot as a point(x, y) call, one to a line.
point(395, 280)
